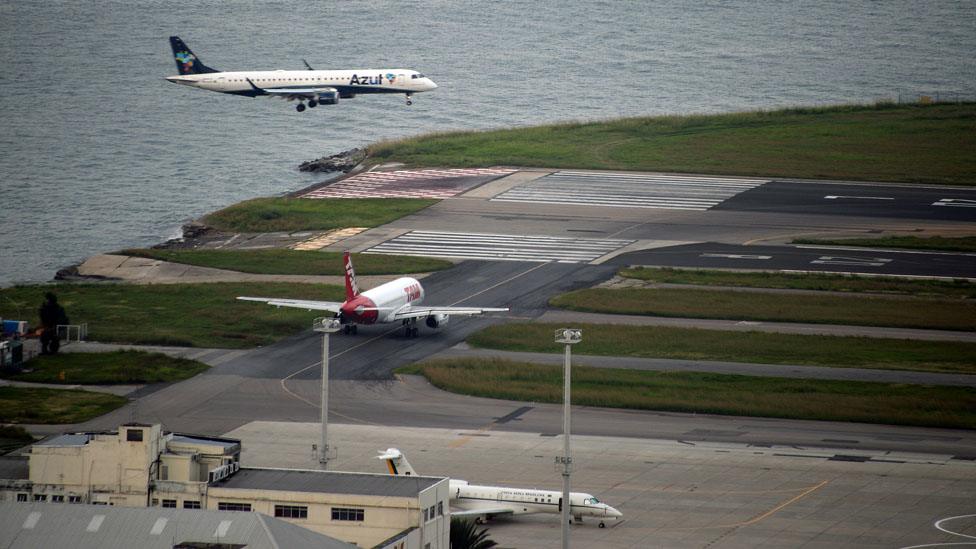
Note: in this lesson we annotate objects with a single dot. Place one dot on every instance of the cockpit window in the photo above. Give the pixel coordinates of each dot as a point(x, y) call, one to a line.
point(590, 501)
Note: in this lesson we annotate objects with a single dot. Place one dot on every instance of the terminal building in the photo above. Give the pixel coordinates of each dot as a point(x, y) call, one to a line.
point(143, 466)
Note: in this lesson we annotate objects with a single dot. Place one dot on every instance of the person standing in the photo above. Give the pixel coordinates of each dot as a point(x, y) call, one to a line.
point(52, 314)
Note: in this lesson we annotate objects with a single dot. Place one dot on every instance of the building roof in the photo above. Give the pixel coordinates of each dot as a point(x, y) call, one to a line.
point(14, 468)
point(73, 439)
point(229, 445)
point(29, 525)
point(328, 482)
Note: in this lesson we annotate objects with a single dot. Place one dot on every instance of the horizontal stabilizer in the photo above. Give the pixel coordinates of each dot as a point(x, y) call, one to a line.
point(332, 306)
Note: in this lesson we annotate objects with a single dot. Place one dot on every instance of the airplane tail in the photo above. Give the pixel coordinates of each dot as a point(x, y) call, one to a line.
point(352, 289)
point(186, 62)
point(397, 463)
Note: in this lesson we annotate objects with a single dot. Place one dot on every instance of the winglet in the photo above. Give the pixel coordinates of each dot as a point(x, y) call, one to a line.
point(396, 462)
point(352, 289)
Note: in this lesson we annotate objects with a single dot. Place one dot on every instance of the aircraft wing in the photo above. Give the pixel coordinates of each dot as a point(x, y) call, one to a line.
point(296, 93)
point(299, 93)
point(483, 512)
point(333, 306)
point(421, 312)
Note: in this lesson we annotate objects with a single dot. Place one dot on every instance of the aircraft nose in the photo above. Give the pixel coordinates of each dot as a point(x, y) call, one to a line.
point(611, 512)
point(431, 84)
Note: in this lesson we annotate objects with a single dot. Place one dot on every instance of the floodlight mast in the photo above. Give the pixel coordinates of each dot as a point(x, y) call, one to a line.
point(326, 326)
point(568, 337)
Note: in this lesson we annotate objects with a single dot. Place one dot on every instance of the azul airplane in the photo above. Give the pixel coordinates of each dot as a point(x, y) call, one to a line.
point(484, 502)
point(312, 86)
point(396, 301)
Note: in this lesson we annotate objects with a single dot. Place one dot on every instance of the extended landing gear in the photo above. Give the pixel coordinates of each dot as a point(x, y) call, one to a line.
point(350, 329)
point(410, 328)
point(409, 100)
point(602, 524)
point(312, 103)
point(300, 107)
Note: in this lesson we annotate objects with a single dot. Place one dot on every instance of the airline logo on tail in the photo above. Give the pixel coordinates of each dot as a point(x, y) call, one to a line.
point(185, 60)
point(352, 289)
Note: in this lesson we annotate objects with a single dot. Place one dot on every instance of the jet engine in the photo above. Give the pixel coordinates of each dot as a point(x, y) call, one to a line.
point(436, 321)
point(329, 98)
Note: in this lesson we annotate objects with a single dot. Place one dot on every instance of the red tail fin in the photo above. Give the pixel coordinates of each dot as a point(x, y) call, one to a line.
point(352, 289)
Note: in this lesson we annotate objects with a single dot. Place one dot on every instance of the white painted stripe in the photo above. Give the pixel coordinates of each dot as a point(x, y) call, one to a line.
point(31, 521)
point(737, 256)
point(222, 528)
point(629, 190)
point(158, 527)
point(498, 247)
point(95, 523)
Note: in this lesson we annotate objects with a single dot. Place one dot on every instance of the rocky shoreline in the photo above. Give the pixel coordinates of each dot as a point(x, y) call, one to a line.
point(196, 233)
point(342, 162)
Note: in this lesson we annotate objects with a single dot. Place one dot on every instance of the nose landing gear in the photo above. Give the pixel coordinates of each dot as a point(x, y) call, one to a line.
point(409, 99)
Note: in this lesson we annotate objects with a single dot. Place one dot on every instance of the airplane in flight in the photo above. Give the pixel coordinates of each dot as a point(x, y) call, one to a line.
point(312, 87)
point(484, 502)
point(396, 301)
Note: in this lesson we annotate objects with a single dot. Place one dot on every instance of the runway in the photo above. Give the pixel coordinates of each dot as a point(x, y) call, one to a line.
point(754, 466)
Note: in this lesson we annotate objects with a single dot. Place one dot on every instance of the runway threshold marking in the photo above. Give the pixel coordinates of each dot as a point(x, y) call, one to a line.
point(283, 380)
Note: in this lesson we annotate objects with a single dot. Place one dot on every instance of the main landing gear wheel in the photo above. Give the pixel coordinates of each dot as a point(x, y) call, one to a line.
point(603, 525)
point(312, 104)
point(350, 329)
point(300, 107)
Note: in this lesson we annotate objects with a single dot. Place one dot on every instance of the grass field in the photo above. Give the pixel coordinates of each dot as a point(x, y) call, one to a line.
point(195, 315)
point(709, 393)
point(754, 347)
point(938, 314)
point(837, 283)
point(13, 437)
point(52, 406)
point(117, 367)
point(300, 214)
point(885, 142)
point(294, 262)
point(937, 243)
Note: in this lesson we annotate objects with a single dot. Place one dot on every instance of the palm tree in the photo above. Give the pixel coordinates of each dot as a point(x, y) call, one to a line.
point(465, 535)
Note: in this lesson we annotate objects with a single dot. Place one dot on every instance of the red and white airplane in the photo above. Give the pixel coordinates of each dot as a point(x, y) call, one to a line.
point(395, 301)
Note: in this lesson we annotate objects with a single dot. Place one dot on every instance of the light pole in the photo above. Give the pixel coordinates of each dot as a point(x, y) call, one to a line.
point(326, 326)
point(569, 337)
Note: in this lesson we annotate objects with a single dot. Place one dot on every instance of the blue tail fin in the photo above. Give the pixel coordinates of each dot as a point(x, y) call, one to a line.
point(186, 62)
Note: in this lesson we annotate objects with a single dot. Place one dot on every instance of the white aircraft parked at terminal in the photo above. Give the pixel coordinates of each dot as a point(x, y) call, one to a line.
point(395, 301)
point(484, 502)
point(312, 86)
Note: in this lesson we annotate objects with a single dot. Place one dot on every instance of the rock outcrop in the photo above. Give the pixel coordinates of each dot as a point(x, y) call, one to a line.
point(342, 162)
